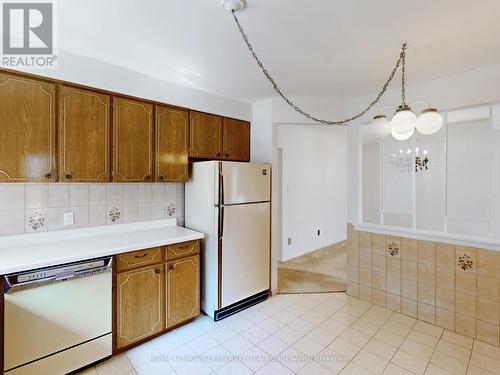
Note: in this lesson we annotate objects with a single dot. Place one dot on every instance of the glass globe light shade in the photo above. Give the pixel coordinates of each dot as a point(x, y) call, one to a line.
point(402, 136)
point(381, 126)
point(403, 123)
point(429, 122)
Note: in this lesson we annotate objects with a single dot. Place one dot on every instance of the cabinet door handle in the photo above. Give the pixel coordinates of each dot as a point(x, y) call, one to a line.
point(48, 176)
point(226, 155)
point(69, 176)
point(147, 177)
point(171, 267)
point(157, 271)
point(162, 178)
point(218, 154)
point(140, 256)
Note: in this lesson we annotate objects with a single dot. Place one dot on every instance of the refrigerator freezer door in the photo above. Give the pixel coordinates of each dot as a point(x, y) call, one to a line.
point(246, 182)
point(245, 251)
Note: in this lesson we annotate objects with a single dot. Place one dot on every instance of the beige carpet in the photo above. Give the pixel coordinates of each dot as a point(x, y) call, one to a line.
point(321, 271)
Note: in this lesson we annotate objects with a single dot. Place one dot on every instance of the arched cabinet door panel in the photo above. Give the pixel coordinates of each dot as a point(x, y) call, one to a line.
point(205, 138)
point(27, 130)
point(139, 305)
point(236, 140)
point(183, 290)
point(132, 141)
point(172, 144)
point(84, 135)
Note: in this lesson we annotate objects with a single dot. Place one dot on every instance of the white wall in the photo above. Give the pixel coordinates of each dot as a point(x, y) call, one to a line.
point(86, 71)
point(314, 187)
point(261, 140)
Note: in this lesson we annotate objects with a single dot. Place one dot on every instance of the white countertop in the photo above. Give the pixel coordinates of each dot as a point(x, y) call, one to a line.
point(453, 239)
point(30, 251)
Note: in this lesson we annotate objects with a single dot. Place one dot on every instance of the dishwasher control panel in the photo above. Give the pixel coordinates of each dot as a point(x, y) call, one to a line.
point(57, 273)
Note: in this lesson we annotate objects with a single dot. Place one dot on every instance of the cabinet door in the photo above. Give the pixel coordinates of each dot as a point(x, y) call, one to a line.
point(139, 304)
point(132, 140)
point(236, 140)
point(172, 144)
point(84, 118)
point(183, 290)
point(27, 130)
point(205, 139)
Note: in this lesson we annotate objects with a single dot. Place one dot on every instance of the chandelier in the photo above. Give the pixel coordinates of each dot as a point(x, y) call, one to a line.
point(401, 126)
point(411, 159)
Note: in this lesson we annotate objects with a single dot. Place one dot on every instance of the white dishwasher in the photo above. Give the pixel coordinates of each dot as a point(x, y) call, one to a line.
point(57, 319)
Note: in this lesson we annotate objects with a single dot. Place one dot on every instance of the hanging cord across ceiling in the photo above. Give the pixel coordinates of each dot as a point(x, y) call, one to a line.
point(400, 61)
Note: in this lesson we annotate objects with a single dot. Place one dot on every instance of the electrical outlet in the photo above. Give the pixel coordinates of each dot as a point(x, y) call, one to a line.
point(68, 218)
point(319, 232)
point(289, 240)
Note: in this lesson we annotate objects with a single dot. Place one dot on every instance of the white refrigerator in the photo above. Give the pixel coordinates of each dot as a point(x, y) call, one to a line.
point(230, 203)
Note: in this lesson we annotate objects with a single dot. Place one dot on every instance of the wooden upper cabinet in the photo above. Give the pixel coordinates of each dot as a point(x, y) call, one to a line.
point(27, 130)
point(139, 304)
point(183, 290)
point(172, 144)
point(205, 139)
point(236, 140)
point(132, 140)
point(84, 144)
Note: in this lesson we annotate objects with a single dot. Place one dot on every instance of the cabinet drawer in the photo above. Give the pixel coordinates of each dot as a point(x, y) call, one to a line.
point(138, 258)
point(183, 249)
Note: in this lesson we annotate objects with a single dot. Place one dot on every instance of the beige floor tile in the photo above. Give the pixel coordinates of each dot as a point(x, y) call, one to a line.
point(293, 359)
point(457, 339)
point(409, 362)
point(449, 363)
point(355, 336)
point(308, 346)
point(430, 329)
point(453, 350)
point(392, 369)
point(370, 361)
point(365, 327)
point(432, 369)
point(380, 348)
point(486, 349)
point(423, 338)
point(397, 328)
point(403, 320)
point(420, 351)
point(119, 365)
point(389, 337)
point(355, 369)
point(486, 363)
point(313, 368)
point(322, 336)
point(474, 370)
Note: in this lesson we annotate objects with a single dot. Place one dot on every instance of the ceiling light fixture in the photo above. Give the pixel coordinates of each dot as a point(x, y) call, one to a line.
point(403, 124)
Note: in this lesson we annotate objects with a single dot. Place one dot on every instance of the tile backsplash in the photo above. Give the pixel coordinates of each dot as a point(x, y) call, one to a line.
point(26, 208)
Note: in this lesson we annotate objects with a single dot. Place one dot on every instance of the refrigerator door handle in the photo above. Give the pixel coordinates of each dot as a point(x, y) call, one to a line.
point(221, 188)
point(221, 222)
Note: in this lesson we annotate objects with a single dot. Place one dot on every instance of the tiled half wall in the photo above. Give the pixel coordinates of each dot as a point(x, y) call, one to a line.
point(26, 208)
point(454, 287)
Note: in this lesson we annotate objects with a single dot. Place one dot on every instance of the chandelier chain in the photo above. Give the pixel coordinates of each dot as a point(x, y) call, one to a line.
point(403, 75)
point(276, 88)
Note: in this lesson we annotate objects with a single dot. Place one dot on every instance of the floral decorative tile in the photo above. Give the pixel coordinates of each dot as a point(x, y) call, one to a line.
point(393, 249)
point(114, 214)
point(36, 220)
point(171, 209)
point(465, 262)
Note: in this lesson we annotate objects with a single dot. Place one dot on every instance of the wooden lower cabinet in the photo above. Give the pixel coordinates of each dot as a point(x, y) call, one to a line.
point(153, 293)
point(183, 290)
point(140, 296)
